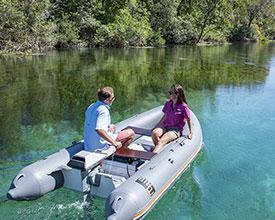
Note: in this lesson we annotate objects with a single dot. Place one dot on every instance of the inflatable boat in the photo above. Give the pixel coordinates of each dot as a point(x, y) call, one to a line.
point(131, 180)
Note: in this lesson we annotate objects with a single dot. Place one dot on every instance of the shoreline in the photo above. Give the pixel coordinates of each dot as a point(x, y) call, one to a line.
point(200, 44)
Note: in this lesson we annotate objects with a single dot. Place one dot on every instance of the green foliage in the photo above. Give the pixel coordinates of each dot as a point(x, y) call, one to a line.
point(164, 18)
point(66, 32)
point(112, 9)
point(76, 21)
point(24, 25)
point(253, 20)
point(29, 25)
point(127, 30)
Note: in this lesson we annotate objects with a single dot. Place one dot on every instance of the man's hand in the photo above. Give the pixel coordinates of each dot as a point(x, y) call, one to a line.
point(117, 144)
point(102, 133)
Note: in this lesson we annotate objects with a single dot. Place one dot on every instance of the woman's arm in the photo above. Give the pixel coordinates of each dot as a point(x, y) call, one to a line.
point(189, 122)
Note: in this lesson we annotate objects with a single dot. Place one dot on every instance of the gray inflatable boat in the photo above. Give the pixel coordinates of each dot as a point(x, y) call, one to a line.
point(132, 180)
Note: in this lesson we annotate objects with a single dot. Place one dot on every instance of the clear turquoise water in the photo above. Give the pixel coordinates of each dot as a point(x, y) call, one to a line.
point(230, 88)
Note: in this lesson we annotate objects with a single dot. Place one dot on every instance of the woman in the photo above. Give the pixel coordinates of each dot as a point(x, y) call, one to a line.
point(176, 113)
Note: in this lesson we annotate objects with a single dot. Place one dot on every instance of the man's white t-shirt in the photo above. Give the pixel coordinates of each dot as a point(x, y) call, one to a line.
point(97, 116)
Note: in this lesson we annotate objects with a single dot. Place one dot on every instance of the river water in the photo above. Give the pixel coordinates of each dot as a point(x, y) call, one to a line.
point(230, 88)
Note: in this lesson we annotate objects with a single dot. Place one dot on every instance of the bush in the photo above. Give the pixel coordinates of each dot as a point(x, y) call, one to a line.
point(214, 35)
point(88, 29)
point(243, 33)
point(174, 29)
point(66, 33)
point(189, 33)
point(25, 27)
point(127, 30)
point(155, 38)
point(238, 33)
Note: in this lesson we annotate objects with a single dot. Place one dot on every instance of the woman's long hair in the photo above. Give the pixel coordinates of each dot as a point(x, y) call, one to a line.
point(177, 89)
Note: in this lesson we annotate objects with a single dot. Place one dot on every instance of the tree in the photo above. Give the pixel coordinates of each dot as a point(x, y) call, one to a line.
point(24, 25)
point(254, 9)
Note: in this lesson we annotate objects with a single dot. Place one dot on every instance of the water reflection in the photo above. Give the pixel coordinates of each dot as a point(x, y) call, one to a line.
point(43, 98)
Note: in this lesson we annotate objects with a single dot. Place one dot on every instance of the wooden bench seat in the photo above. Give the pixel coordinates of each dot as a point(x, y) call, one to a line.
point(129, 153)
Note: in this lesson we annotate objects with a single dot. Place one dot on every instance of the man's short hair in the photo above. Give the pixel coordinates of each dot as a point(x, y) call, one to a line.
point(104, 93)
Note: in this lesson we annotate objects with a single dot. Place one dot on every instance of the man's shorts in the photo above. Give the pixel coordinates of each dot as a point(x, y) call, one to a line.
point(123, 136)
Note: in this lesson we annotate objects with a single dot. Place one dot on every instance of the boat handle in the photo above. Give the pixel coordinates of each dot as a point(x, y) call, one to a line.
point(170, 160)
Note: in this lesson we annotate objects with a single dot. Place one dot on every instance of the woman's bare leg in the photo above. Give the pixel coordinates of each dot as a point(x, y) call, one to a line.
point(166, 138)
point(156, 134)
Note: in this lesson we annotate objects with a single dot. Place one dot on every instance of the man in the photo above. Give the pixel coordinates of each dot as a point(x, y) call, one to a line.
point(99, 133)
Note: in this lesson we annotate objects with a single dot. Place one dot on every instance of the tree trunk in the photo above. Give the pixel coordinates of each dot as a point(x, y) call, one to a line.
point(205, 22)
point(200, 36)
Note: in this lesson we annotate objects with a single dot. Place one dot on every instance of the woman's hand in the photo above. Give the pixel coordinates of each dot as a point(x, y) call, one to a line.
point(190, 135)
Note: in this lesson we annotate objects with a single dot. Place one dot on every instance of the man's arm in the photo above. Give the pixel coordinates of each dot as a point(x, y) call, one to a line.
point(102, 133)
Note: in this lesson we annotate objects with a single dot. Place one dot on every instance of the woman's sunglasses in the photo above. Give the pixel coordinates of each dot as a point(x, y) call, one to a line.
point(171, 93)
